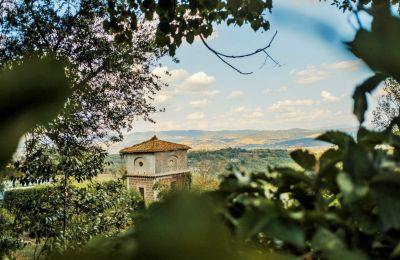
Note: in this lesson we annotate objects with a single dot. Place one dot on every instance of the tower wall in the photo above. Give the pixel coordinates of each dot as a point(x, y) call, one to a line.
point(164, 162)
point(142, 163)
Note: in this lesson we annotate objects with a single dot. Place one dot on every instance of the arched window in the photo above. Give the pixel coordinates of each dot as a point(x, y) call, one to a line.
point(172, 163)
point(139, 165)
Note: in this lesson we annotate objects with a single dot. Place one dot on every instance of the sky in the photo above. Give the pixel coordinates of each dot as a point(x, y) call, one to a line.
point(312, 88)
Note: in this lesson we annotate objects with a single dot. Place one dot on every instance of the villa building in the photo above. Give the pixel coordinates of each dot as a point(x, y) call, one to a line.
point(156, 163)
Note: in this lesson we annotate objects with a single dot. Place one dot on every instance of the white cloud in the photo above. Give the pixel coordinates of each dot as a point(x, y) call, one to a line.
point(314, 73)
point(347, 64)
point(196, 116)
point(237, 94)
point(270, 91)
point(290, 103)
point(182, 83)
point(327, 96)
point(239, 109)
point(283, 89)
point(198, 81)
point(170, 76)
point(178, 108)
point(305, 116)
point(211, 93)
point(255, 113)
point(162, 98)
point(201, 103)
point(309, 75)
point(248, 113)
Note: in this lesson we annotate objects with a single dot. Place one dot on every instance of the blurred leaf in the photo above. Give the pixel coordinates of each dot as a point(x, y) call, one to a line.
point(360, 97)
point(287, 231)
point(346, 254)
point(332, 247)
point(31, 93)
point(357, 162)
point(345, 183)
point(328, 160)
point(253, 221)
point(396, 252)
point(379, 48)
point(324, 240)
point(370, 138)
point(304, 158)
point(386, 190)
point(336, 137)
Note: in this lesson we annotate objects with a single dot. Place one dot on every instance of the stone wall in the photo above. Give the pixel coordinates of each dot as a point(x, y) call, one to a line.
point(176, 181)
point(171, 161)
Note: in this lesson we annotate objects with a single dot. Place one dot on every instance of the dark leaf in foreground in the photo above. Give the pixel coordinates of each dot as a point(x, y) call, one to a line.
point(32, 93)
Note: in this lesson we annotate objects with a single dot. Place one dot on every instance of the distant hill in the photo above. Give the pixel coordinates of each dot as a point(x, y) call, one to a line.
point(247, 139)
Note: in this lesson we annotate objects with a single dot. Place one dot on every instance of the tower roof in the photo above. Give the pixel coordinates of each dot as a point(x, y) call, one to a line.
point(154, 145)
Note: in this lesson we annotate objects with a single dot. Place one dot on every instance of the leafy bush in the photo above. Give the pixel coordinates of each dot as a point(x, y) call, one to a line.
point(99, 208)
point(9, 240)
point(343, 205)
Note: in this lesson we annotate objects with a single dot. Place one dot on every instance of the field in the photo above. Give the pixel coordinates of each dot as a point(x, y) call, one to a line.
point(215, 162)
point(208, 166)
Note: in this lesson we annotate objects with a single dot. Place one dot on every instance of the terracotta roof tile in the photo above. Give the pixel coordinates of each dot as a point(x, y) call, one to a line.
point(154, 145)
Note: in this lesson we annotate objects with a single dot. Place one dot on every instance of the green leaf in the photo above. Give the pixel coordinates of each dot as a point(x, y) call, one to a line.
point(357, 162)
point(386, 189)
point(32, 93)
point(396, 251)
point(379, 48)
point(190, 37)
point(286, 231)
point(336, 137)
point(345, 254)
point(345, 183)
point(253, 221)
point(324, 240)
point(370, 138)
point(328, 160)
point(360, 97)
point(304, 158)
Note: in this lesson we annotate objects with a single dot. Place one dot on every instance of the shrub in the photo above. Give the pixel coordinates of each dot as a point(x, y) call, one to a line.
point(9, 240)
point(99, 208)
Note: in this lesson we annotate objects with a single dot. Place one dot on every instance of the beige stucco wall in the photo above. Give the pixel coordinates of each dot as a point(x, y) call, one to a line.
point(163, 159)
point(133, 167)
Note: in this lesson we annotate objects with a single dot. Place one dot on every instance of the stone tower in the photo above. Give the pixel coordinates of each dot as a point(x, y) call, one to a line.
point(156, 163)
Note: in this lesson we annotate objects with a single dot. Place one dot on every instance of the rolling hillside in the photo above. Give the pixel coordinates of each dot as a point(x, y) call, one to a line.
point(246, 139)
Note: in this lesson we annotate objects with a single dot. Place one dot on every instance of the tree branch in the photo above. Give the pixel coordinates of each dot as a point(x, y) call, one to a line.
point(221, 55)
point(90, 76)
point(42, 34)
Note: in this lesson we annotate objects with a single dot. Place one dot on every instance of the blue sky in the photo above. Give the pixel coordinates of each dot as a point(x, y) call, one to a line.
point(313, 89)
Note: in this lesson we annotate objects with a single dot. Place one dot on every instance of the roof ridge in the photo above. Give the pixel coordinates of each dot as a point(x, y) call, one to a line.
point(154, 145)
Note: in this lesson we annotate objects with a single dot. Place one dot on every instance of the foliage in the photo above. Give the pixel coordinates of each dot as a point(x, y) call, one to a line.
point(9, 239)
point(32, 92)
point(388, 104)
point(104, 209)
point(202, 182)
point(183, 20)
point(113, 84)
point(182, 227)
point(214, 162)
point(343, 205)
